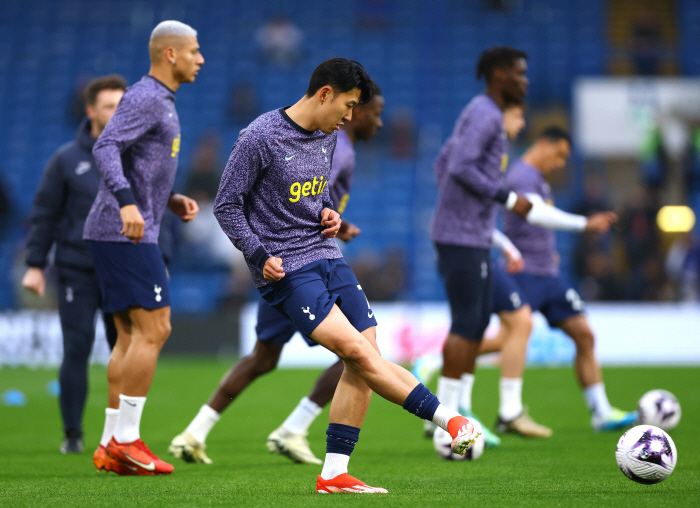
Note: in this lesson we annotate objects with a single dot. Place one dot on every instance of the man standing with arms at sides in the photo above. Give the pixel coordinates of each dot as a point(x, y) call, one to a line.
point(469, 173)
point(274, 330)
point(62, 202)
point(540, 282)
point(137, 155)
point(274, 204)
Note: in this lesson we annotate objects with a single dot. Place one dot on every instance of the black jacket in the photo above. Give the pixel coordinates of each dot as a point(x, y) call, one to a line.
point(62, 202)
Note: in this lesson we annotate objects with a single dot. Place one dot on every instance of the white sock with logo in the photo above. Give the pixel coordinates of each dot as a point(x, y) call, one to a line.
point(299, 421)
point(597, 399)
point(448, 390)
point(443, 415)
point(334, 465)
point(111, 416)
point(129, 419)
point(465, 399)
point(510, 397)
point(203, 423)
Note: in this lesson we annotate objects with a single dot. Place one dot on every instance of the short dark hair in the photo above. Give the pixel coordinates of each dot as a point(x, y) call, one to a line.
point(512, 103)
point(109, 82)
point(342, 75)
point(554, 134)
point(498, 57)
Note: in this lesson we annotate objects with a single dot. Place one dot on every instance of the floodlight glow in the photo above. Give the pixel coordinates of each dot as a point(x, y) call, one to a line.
point(675, 219)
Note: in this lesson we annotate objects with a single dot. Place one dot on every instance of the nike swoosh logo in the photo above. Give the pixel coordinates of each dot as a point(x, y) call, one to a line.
point(147, 467)
point(370, 315)
point(290, 158)
point(132, 405)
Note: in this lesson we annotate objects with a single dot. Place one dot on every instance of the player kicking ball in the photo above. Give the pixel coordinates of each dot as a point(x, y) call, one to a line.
point(274, 204)
point(274, 330)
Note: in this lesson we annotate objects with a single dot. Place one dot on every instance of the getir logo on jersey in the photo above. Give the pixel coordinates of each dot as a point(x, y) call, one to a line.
point(309, 188)
point(176, 146)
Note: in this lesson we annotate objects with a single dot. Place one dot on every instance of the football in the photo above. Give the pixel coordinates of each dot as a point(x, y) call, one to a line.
point(443, 445)
point(646, 454)
point(659, 408)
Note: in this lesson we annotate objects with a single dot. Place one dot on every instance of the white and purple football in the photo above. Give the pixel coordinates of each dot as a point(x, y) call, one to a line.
point(646, 454)
point(659, 408)
point(442, 441)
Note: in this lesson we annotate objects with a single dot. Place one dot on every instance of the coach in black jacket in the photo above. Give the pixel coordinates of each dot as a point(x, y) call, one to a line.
point(62, 202)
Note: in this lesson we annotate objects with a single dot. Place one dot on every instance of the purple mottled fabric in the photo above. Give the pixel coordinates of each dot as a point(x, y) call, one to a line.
point(537, 244)
point(137, 154)
point(272, 192)
point(469, 173)
point(343, 172)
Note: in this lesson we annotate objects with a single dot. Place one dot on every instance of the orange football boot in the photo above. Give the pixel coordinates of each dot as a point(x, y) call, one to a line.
point(463, 434)
point(104, 462)
point(136, 454)
point(345, 484)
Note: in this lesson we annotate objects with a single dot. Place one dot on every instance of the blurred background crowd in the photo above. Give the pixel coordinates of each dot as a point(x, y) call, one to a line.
point(423, 54)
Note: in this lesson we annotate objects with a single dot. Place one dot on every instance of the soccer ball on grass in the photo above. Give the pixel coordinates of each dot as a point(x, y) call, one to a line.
point(659, 408)
point(646, 454)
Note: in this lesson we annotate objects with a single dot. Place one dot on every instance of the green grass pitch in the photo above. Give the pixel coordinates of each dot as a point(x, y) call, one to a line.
point(575, 467)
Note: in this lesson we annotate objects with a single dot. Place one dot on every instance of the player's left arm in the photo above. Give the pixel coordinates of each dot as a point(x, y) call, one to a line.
point(184, 207)
point(330, 219)
point(550, 217)
point(515, 259)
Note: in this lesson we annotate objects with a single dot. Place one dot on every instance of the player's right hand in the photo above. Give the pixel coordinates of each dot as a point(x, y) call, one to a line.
point(600, 222)
point(35, 281)
point(133, 223)
point(522, 206)
point(273, 269)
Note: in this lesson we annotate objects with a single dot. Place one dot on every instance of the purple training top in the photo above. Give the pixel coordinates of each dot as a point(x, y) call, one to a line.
point(342, 172)
point(272, 192)
point(537, 244)
point(469, 173)
point(137, 154)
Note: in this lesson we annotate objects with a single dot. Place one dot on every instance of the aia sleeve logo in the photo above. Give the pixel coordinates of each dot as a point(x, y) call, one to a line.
point(309, 188)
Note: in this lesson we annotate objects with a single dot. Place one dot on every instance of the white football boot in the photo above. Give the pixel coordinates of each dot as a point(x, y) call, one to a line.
point(294, 446)
point(184, 446)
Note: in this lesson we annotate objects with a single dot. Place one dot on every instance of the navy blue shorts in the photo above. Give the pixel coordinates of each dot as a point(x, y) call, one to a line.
point(507, 296)
point(275, 327)
point(548, 295)
point(466, 273)
point(306, 296)
point(130, 275)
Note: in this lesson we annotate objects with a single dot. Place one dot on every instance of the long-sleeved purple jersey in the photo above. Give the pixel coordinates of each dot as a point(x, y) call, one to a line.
point(537, 244)
point(272, 192)
point(342, 172)
point(137, 154)
point(469, 171)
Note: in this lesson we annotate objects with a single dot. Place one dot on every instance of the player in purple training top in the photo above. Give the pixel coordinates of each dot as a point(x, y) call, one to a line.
point(274, 204)
point(274, 330)
point(540, 282)
point(137, 154)
point(469, 173)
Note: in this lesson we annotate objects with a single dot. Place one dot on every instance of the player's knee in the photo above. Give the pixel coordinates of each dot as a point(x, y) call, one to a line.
point(355, 351)
point(585, 341)
point(163, 329)
point(263, 364)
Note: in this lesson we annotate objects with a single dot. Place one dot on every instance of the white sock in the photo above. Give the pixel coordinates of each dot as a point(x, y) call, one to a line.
point(597, 399)
point(111, 416)
point(334, 465)
point(465, 399)
point(443, 415)
point(299, 421)
point(448, 390)
point(129, 419)
point(511, 398)
point(202, 424)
